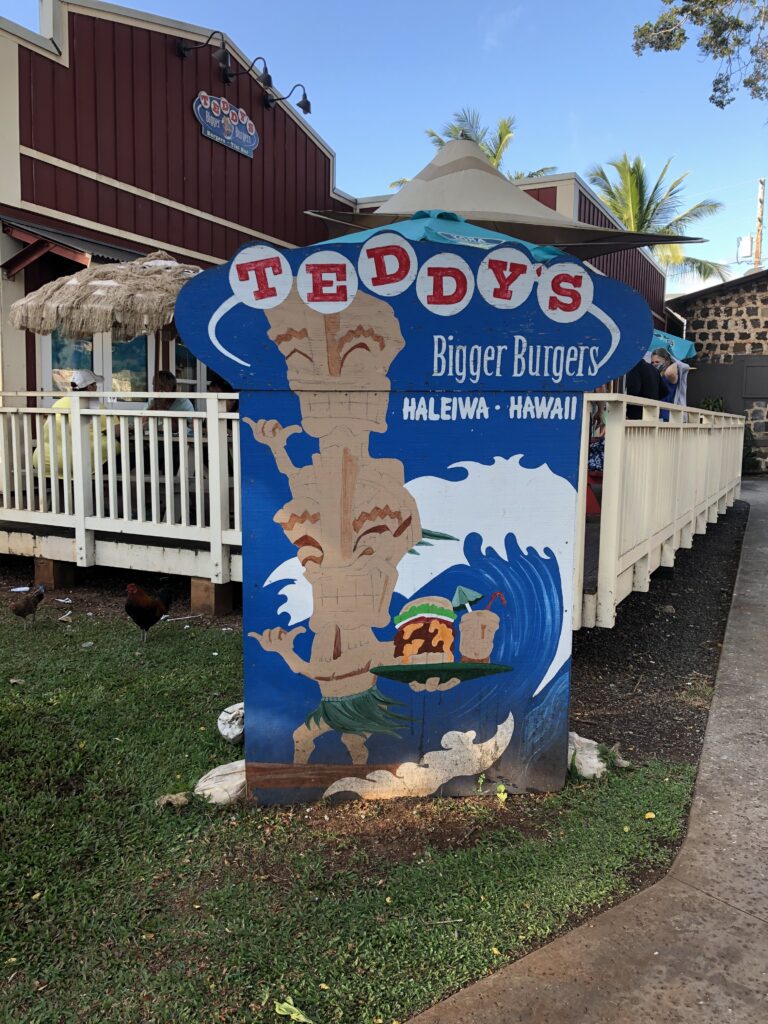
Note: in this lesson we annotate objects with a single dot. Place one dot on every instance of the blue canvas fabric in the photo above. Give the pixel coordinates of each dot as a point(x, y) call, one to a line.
point(445, 228)
point(680, 348)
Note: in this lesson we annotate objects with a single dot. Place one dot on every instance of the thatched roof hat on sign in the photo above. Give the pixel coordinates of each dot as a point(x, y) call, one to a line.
point(462, 179)
point(127, 299)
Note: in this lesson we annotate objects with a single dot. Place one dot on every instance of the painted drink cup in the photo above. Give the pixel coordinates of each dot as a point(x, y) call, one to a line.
point(476, 633)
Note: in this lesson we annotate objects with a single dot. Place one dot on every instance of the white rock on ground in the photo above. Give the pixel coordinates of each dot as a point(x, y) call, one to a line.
point(224, 784)
point(231, 722)
point(586, 758)
point(176, 800)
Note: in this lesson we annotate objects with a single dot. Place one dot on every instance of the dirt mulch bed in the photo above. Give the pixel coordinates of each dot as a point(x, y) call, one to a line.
point(100, 591)
point(648, 682)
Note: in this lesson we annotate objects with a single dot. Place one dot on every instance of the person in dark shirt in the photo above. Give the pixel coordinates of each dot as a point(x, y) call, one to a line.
point(642, 381)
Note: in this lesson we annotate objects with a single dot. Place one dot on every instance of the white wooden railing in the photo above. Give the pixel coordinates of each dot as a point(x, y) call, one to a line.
point(102, 471)
point(103, 495)
point(662, 483)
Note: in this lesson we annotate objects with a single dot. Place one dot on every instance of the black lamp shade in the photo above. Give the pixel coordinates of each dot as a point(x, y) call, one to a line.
point(222, 56)
point(304, 105)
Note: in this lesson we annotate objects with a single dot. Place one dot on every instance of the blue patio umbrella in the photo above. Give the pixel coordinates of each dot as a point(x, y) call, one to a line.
point(444, 227)
point(680, 348)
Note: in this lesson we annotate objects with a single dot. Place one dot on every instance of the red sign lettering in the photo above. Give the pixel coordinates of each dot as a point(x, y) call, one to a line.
point(320, 282)
point(438, 276)
point(381, 275)
point(506, 274)
point(567, 287)
point(259, 268)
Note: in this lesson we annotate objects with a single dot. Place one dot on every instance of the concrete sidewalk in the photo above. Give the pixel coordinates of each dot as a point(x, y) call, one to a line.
point(693, 947)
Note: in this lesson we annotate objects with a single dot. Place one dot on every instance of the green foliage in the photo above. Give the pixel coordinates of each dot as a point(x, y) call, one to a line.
point(494, 142)
point(654, 206)
point(749, 463)
point(287, 1008)
point(732, 32)
point(115, 910)
point(713, 403)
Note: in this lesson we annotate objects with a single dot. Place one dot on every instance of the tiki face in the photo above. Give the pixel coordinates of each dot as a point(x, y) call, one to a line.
point(337, 364)
point(352, 521)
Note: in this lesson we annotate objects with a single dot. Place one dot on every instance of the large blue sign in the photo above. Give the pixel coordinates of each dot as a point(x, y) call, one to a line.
point(410, 428)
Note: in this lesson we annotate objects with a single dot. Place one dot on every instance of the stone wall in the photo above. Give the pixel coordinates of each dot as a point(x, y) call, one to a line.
point(757, 421)
point(727, 322)
point(729, 326)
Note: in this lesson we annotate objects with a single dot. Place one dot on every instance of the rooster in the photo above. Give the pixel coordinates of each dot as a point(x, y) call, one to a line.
point(146, 609)
point(27, 605)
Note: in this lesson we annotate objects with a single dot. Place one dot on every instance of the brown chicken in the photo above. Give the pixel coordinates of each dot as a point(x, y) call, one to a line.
point(146, 609)
point(27, 605)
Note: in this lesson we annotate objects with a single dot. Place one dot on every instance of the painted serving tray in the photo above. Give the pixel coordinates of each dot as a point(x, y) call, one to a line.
point(443, 671)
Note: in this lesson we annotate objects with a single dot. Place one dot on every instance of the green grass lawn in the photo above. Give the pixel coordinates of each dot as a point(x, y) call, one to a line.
point(114, 910)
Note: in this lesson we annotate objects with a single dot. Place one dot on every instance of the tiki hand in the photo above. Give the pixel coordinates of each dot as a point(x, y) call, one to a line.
point(280, 641)
point(275, 437)
point(433, 683)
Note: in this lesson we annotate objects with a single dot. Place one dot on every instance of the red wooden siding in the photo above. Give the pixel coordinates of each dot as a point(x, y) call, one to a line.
point(124, 109)
point(546, 195)
point(629, 266)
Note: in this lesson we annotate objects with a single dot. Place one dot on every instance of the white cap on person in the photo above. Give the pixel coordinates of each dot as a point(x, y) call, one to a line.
point(84, 378)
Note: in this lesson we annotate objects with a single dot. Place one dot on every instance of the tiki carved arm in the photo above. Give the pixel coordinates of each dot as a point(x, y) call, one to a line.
point(275, 437)
point(280, 641)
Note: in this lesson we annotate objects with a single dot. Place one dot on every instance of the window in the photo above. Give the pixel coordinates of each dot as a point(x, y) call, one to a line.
point(125, 365)
point(130, 361)
point(67, 355)
point(190, 372)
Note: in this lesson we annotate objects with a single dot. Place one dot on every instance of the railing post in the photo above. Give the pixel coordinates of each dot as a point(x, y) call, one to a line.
point(610, 514)
point(218, 490)
point(581, 520)
point(82, 479)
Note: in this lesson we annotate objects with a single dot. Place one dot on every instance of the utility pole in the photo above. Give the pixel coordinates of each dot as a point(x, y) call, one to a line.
point(759, 228)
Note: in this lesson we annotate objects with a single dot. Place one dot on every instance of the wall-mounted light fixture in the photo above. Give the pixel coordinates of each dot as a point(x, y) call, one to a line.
point(224, 60)
point(183, 48)
point(304, 105)
point(264, 78)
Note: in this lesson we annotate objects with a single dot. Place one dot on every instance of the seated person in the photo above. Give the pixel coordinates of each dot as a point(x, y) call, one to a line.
point(80, 381)
point(217, 385)
point(165, 381)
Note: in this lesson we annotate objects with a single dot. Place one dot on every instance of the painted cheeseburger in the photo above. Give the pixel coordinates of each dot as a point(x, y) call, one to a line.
point(425, 632)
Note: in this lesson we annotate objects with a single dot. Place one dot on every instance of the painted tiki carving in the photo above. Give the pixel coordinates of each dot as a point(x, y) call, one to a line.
point(350, 516)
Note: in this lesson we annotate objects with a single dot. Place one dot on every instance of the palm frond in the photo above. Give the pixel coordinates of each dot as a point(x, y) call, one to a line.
point(398, 183)
point(700, 210)
point(642, 204)
point(678, 262)
point(702, 268)
point(467, 124)
point(540, 172)
point(498, 142)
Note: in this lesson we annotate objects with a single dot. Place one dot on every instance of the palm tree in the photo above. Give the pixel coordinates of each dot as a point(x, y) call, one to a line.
point(656, 208)
point(467, 124)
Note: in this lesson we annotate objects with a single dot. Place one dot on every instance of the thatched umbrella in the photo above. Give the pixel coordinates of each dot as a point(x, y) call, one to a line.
point(127, 299)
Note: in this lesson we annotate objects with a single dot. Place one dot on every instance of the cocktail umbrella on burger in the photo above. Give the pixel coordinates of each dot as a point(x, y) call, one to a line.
point(465, 597)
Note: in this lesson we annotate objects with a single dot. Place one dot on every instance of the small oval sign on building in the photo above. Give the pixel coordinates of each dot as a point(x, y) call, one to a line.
point(223, 122)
